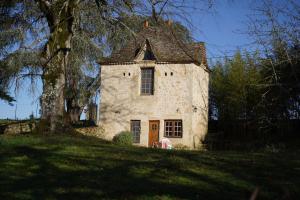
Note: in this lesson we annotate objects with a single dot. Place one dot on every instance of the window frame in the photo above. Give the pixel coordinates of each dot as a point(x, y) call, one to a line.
point(142, 93)
point(173, 130)
point(133, 131)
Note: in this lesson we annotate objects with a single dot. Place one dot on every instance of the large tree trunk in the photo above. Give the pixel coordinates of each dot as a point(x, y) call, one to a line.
point(53, 108)
point(56, 59)
point(73, 110)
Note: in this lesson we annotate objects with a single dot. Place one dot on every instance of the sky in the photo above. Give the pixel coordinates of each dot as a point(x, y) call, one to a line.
point(222, 30)
point(225, 30)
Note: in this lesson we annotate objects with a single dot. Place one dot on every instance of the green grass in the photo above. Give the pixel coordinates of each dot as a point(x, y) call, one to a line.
point(69, 167)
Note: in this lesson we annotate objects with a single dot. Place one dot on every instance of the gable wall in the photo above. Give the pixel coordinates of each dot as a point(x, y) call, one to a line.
point(174, 98)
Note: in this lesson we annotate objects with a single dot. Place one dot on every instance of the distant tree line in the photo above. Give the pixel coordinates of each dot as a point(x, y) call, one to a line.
point(244, 93)
point(258, 94)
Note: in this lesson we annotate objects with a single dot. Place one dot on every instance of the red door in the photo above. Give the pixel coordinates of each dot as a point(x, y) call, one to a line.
point(153, 132)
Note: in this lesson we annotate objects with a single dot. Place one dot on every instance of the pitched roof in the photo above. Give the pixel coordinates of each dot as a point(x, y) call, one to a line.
point(164, 46)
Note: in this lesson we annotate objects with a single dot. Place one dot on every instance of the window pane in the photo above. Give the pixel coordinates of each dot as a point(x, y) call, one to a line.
point(136, 130)
point(173, 128)
point(147, 80)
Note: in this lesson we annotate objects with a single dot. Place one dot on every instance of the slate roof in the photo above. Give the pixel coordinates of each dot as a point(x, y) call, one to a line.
point(164, 45)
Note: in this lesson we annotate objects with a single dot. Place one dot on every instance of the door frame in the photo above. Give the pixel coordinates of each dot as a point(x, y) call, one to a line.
point(149, 145)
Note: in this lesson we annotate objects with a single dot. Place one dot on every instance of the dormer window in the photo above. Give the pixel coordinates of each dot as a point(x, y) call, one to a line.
point(148, 55)
point(147, 81)
point(145, 52)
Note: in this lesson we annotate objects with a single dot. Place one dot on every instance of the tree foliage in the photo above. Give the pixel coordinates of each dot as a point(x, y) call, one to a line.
point(234, 86)
point(57, 39)
point(256, 91)
point(14, 30)
point(275, 29)
point(262, 91)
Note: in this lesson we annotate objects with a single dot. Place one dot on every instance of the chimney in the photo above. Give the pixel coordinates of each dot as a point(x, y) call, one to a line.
point(146, 24)
point(203, 53)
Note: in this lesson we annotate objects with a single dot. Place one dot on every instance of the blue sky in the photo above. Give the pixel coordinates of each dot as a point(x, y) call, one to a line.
point(223, 32)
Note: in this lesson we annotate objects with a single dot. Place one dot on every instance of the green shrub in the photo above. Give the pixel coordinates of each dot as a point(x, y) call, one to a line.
point(123, 138)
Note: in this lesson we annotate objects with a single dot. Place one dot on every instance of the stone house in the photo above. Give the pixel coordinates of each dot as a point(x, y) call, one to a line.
point(156, 87)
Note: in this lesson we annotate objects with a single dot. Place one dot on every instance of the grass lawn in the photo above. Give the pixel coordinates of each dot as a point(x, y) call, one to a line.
point(69, 167)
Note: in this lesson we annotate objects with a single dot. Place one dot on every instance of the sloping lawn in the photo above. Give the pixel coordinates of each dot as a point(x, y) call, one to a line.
point(77, 167)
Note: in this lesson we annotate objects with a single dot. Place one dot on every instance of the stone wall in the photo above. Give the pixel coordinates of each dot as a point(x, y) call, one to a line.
point(91, 131)
point(180, 92)
point(17, 128)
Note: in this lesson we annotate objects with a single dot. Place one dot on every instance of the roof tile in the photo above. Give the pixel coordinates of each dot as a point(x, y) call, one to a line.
point(164, 44)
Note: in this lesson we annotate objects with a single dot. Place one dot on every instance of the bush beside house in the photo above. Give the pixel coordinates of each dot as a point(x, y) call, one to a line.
point(123, 138)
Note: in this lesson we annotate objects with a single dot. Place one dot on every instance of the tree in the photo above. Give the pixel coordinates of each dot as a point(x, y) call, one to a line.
point(275, 28)
point(56, 39)
point(5, 75)
point(234, 89)
point(46, 32)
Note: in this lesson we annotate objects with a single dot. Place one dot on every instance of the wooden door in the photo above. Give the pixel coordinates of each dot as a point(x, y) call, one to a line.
point(153, 132)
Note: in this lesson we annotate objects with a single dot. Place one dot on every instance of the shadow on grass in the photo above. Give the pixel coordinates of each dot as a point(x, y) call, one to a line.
point(68, 167)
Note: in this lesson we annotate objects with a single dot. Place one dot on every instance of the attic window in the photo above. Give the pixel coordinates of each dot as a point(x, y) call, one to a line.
point(148, 55)
point(147, 81)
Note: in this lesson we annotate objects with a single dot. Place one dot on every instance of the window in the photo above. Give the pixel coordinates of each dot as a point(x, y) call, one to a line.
point(148, 55)
point(173, 128)
point(147, 81)
point(136, 130)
